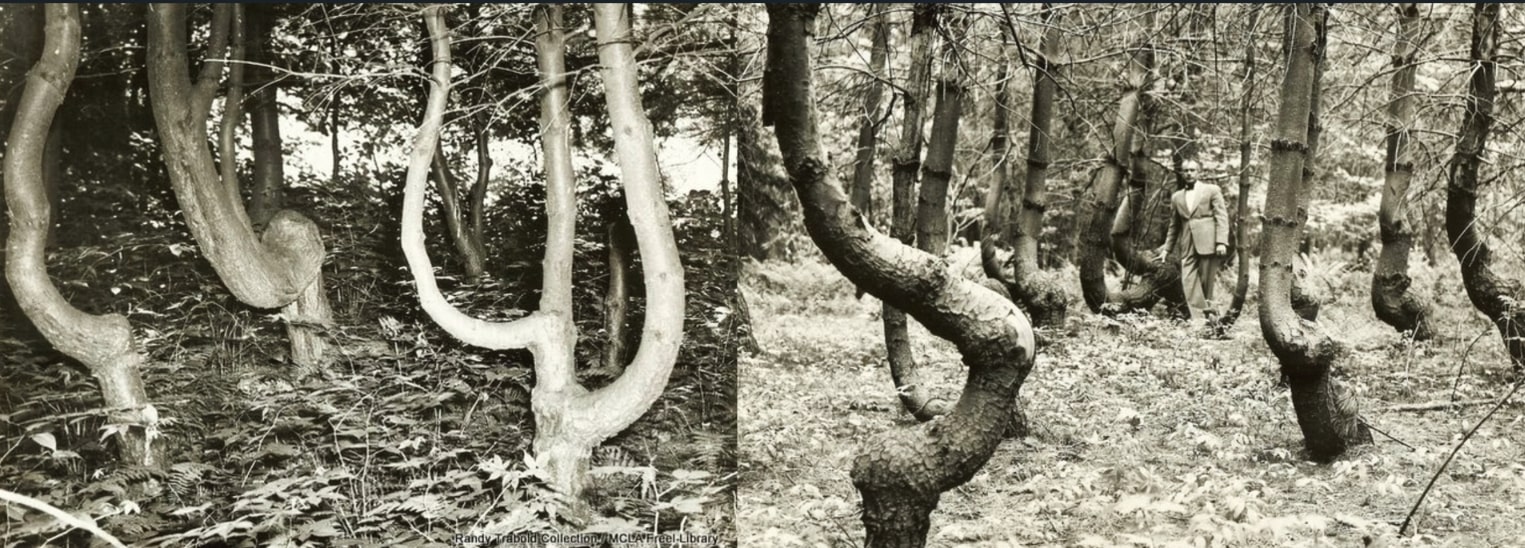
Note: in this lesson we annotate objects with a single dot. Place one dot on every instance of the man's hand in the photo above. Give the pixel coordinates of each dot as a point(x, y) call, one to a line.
point(1222, 250)
point(1161, 253)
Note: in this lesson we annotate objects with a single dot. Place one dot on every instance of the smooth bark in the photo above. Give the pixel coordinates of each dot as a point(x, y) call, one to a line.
point(901, 473)
point(267, 188)
point(868, 129)
point(1390, 296)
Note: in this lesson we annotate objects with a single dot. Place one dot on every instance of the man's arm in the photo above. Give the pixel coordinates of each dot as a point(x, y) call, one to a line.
point(1174, 229)
point(1220, 217)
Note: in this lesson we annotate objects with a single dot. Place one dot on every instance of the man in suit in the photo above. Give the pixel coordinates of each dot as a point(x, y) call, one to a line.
point(1198, 233)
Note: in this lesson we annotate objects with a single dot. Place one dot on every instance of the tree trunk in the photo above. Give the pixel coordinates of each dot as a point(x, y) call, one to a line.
point(1154, 280)
point(900, 473)
point(478, 206)
point(763, 208)
point(914, 393)
point(569, 419)
point(868, 129)
point(280, 267)
point(1097, 204)
point(1495, 296)
point(457, 223)
point(233, 106)
point(621, 242)
point(1390, 297)
point(104, 344)
point(266, 193)
point(1326, 413)
point(1041, 293)
point(1242, 202)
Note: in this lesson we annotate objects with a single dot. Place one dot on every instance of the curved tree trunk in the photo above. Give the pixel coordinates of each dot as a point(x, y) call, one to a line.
point(1041, 293)
point(915, 395)
point(1242, 202)
point(900, 473)
point(868, 130)
point(1326, 413)
point(104, 344)
point(1154, 281)
point(280, 267)
point(569, 419)
point(1497, 297)
point(1390, 297)
point(1095, 215)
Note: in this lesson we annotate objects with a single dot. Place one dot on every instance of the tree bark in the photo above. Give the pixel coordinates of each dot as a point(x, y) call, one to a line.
point(868, 129)
point(915, 395)
point(457, 223)
point(1097, 204)
point(764, 211)
point(1242, 202)
point(478, 206)
point(621, 242)
point(233, 106)
point(267, 192)
point(1326, 413)
point(280, 267)
point(1041, 293)
point(1155, 281)
point(900, 473)
point(569, 419)
point(1390, 297)
point(1495, 296)
point(104, 344)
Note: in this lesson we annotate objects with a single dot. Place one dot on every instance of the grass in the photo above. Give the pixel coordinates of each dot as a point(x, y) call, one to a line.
point(1143, 434)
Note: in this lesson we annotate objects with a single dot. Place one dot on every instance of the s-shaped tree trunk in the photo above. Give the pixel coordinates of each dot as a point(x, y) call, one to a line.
point(1497, 297)
point(278, 268)
point(570, 420)
point(104, 344)
point(900, 473)
point(1390, 297)
point(1327, 413)
point(1041, 293)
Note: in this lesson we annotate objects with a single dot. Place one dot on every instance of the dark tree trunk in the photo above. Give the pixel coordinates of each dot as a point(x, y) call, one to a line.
point(621, 243)
point(478, 199)
point(266, 192)
point(1495, 296)
point(1326, 413)
point(900, 473)
point(1242, 201)
point(915, 395)
point(1154, 281)
point(764, 210)
point(1390, 297)
point(1095, 215)
point(868, 130)
point(1040, 292)
point(937, 172)
point(457, 221)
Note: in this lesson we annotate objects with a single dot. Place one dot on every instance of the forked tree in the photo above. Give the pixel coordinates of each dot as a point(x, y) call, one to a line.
point(901, 473)
point(1325, 411)
point(1390, 296)
point(1495, 296)
point(279, 267)
point(1014, 207)
point(103, 343)
point(570, 420)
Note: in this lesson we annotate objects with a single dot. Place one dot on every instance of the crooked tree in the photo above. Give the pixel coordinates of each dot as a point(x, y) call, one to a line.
point(280, 267)
point(1014, 208)
point(103, 343)
point(570, 420)
point(1495, 296)
point(1326, 412)
point(1390, 296)
point(900, 473)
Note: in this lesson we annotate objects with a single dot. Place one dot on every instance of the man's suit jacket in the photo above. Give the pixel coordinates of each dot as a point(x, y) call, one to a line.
point(1206, 221)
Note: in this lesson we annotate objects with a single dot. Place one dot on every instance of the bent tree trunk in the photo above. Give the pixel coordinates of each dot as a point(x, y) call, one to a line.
point(1154, 280)
point(1390, 297)
point(570, 420)
point(900, 473)
point(1497, 297)
point(1041, 293)
point(279, 268)
point(915, 395)
point(104, 344)
point(1094, 219)
point(1326, 413)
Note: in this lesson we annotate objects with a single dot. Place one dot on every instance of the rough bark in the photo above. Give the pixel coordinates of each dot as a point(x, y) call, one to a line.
point(764, 212)
point(278, 268)
point(621, 243)
point(266, 191)
point(1390, 297)
point(868, 129)
point(457, 222)
point(1154, 281)
point(569, 419)
point(1495, 296)
point(900, 473)
point(1326, 413)
point(1097, 204)
point(1242, 201)
point(104, 344)
point(1041, 293)
point(915, 395)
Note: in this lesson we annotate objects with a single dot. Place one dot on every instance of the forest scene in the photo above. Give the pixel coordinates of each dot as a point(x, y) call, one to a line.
point(879, 275)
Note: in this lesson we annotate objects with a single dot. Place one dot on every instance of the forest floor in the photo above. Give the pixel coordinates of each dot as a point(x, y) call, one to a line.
point(1143, 434)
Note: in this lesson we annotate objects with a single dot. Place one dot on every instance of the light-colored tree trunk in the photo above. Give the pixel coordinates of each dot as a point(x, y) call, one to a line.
point(569, 419)
point(1326, 412)
point(104, 344)
point(1390, 297)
